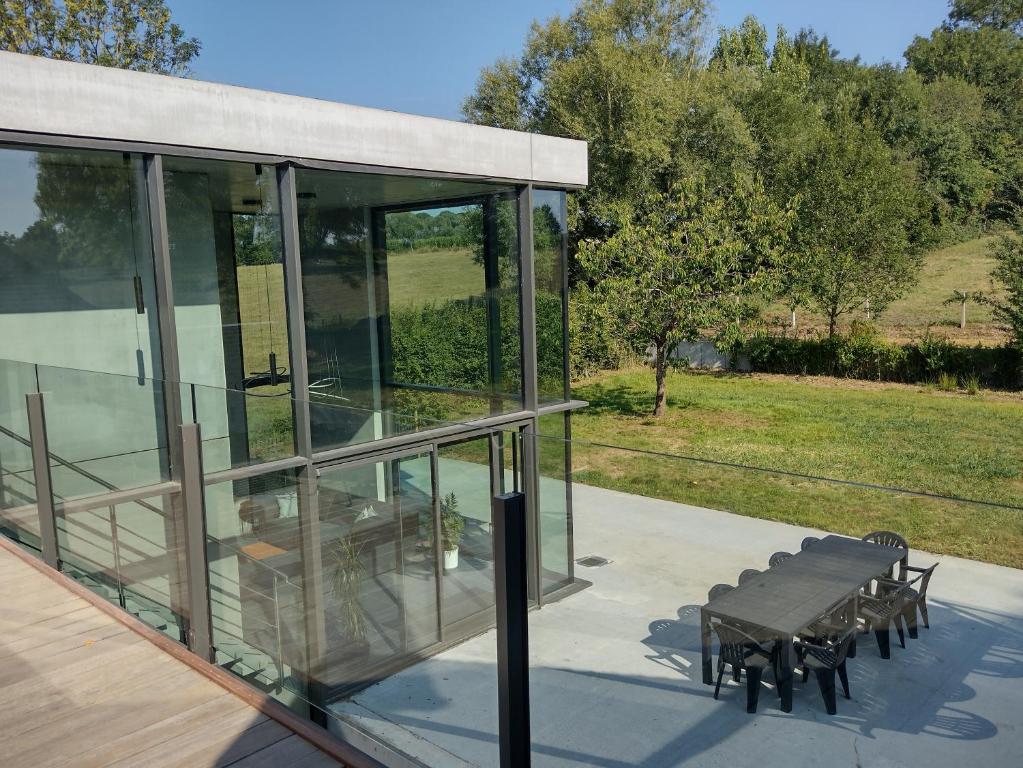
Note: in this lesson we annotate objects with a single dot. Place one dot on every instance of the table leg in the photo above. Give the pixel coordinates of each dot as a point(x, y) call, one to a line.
point(785, 673)
point(705, 649)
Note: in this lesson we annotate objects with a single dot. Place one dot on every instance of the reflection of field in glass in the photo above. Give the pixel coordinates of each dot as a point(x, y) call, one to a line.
point(418, 277)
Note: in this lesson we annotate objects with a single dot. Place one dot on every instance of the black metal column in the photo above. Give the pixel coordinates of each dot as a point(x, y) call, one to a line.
point(512, 629)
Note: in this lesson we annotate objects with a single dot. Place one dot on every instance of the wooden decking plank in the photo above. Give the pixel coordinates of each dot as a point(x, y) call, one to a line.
point(34, 702)
point(258, 737)
point(146, 745)
point(285, 752)
point(95, 726)
point(201, 745)
point(107, 640)
point(33, 639)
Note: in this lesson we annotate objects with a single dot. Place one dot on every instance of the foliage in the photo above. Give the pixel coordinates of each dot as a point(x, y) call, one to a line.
point(884, 160)
point(864, 354)
point(451, 523)
point(127, 34)
point(346, 581)
point(1008, 253)
point(682, 263)
point(852, 237)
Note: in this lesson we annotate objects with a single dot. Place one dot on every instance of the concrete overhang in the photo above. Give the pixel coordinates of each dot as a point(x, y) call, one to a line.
point(60, 98)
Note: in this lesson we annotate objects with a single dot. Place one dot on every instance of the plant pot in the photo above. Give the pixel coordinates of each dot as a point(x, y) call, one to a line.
point(450, 559)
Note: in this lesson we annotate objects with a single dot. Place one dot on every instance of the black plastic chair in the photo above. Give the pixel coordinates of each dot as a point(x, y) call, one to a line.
point(808, 542)
point(748, 574)
point(881, 611)
point(779, 557)
point(915, 596)
point(825, 659)
point(891, 539)
point(742, 652)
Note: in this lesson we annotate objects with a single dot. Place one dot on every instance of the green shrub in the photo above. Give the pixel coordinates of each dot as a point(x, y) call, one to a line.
point(947, 382)
point(864, 354)
point(972, 384)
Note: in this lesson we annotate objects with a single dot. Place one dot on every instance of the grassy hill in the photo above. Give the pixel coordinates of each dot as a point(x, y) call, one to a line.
point(964, 266)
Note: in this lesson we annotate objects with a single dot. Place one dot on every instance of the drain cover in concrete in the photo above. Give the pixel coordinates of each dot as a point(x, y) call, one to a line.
point(593, 561)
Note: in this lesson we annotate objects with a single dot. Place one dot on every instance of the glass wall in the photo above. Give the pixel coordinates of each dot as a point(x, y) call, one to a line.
point(230, 308)
point(550, 232)
point(412, 302)
point(77, 291)
point(554, 501)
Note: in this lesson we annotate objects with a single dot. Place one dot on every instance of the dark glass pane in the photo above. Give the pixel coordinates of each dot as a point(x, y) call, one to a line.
point(411, 295)
point(549, 236)
point(223, 223)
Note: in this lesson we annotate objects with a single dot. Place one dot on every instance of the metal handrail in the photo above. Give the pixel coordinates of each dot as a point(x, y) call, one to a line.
point(78, 470)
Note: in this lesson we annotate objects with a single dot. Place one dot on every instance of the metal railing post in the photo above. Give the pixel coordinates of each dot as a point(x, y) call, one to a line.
point(512, 598)
point(43, 480)
point(200, 633)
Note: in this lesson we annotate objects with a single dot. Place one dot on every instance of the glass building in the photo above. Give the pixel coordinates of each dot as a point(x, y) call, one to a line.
point(359, 309)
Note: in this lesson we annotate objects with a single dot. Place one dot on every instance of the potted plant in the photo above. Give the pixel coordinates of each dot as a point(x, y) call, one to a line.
point(451, 526)
point(346, 586)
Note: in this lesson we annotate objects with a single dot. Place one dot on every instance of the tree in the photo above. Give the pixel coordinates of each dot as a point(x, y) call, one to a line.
point(962, 298)
point(999, 14)
point(614, 73)
point(127, 34)
point(743, 47)
point(1008, 253)
point(853, 228)
point(687, 262)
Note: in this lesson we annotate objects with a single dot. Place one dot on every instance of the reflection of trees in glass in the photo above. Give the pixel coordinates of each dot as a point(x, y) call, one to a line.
point(422, 230)
point(548, 256)
point(257, 239)
point(89, 228)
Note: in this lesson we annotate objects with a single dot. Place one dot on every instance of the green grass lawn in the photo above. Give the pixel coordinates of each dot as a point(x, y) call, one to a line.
point(964, 266)
point(892, 435)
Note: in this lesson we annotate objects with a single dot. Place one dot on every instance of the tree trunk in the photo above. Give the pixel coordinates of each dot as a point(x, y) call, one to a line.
point(793, 318)
point(832, 323)
point(661, 372)
point(962, 314)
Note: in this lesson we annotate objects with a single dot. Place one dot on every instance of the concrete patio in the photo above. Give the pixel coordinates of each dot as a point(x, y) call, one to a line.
point(615, 673)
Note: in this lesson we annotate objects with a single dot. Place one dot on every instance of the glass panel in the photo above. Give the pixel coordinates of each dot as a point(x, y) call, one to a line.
point(553, 502)
point(380, 567)
point(106, 432)
point(550, 232)
point(77, 291)
point(19, 518)
point(223, 224)
point(76, 265)
point(127, 553)
point(411, 302)
point(464, 487)
point(257, 598)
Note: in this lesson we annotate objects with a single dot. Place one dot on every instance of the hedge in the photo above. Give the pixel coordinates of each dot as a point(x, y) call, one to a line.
point(863, 354)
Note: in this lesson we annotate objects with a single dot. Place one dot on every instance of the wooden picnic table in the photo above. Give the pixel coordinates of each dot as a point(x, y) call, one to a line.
point(782, 601)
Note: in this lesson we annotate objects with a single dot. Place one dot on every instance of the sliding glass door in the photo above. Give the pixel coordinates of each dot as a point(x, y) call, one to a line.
point(408, 555)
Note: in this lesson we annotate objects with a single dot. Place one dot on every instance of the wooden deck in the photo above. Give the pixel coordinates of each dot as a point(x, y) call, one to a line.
point(79, 688)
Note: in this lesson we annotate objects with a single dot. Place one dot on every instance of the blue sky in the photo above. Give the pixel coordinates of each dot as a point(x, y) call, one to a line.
point(423, 56)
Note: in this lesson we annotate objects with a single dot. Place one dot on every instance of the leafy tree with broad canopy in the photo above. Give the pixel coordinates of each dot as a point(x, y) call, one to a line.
point(687, 262)
point(127, 34)
point(853, 236)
